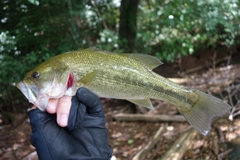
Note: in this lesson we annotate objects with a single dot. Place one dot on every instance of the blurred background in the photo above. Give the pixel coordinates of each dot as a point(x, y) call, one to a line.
point(198, 41)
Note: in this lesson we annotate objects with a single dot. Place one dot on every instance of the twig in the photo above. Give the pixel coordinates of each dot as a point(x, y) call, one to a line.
point(223, 154)
point(234, 109)
point(214, 64)
point(148, 118)
point(179, 80)
point(181, 145)
point(221, 137)
point(229, 95)
point(229, 58)
point(98, 13)
point(205, 65)
point(31, 156)
point(141, 155)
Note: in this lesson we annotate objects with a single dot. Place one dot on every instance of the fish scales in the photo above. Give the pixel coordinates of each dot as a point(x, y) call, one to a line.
point(121, 76)
point(128, 85)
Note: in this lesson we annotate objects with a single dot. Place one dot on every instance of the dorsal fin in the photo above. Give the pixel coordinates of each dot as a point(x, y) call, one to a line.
point(150, 61)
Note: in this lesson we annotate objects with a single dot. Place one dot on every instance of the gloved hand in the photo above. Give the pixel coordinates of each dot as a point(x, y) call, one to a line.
point(85, 137)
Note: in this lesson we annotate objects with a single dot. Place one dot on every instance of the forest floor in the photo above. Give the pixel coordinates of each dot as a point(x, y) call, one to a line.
point(148, 139)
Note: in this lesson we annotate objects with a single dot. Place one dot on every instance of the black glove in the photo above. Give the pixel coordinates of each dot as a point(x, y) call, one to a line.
point(85, 138)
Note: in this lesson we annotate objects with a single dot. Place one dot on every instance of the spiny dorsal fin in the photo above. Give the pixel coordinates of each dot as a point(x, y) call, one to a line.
point(150, 61)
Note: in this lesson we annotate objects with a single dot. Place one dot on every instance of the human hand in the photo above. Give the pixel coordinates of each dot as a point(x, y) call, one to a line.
point(60, 107)
point(85, 136)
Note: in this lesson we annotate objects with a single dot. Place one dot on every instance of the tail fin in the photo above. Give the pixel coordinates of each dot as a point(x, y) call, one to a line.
point(208, 107)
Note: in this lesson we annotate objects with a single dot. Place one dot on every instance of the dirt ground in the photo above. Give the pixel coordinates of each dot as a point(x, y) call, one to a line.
point(217, 76)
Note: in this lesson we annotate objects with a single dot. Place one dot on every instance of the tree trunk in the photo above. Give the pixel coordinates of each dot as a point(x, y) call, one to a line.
point(128, 24)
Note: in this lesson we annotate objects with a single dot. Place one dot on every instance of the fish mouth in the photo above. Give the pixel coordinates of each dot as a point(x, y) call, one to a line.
point(27, 91)
point(32, 94)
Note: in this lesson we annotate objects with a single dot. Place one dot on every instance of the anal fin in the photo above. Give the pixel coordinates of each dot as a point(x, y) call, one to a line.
point(142, 102)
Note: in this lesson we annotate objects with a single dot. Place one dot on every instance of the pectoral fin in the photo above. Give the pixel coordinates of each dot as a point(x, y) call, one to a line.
point(150, 61)
point(88, 78)
point(142, 102)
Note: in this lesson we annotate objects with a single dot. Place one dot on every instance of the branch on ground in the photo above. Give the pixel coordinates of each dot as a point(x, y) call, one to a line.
point(148, 118)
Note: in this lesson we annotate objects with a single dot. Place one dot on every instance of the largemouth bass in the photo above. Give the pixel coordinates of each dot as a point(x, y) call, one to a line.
point(120, 76)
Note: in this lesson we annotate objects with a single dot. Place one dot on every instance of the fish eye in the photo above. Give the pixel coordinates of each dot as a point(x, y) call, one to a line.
point(35, 75)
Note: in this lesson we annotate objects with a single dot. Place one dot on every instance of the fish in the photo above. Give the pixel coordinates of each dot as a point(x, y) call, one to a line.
point(119, 76)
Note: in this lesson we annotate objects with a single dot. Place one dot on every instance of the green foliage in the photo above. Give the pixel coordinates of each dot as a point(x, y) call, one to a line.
point(107, 40)
point(32, 31)
point(177, 28)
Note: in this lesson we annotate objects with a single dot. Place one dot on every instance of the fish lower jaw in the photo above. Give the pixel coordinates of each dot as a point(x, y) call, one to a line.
point(41, 102)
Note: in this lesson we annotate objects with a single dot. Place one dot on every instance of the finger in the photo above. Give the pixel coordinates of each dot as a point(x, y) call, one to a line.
point(38, 117)
point(63, 109)
point(90, 100)
point(33, 107)
point(52, 106)
point(34, 120)
point(77, 113)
